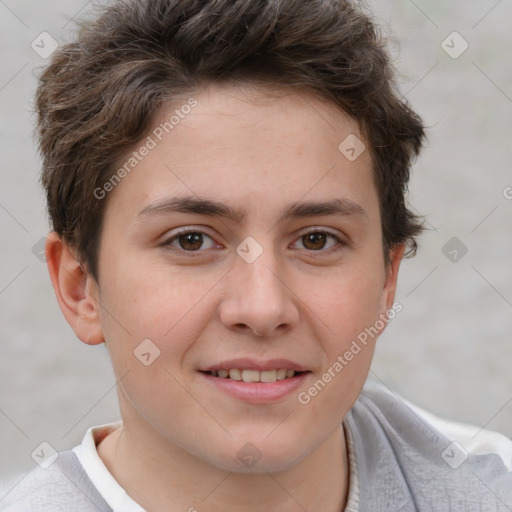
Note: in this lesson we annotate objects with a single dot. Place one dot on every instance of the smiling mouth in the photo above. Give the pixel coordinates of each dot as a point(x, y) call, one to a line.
point(254, 375)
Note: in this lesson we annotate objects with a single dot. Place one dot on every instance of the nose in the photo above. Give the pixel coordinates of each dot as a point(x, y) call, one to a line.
point(258, 298)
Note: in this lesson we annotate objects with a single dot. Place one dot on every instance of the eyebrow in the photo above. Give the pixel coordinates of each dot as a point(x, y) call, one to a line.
point(204, 206)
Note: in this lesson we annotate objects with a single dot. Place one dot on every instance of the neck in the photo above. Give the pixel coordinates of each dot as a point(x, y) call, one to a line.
point(160, 476)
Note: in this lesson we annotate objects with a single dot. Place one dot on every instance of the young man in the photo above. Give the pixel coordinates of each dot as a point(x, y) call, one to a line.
point(226, 185)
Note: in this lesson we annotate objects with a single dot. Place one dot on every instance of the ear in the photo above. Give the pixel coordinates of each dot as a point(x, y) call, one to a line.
point(388, 293)
point(77, 291)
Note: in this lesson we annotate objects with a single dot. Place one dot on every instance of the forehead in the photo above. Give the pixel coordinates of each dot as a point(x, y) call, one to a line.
point(248, 146)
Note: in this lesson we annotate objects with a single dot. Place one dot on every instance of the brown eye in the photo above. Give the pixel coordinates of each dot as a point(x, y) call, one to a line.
point(314, 241)
point(190, 241)
point(319, 241)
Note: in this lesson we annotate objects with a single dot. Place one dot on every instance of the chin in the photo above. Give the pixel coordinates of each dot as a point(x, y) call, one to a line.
point(255, 457)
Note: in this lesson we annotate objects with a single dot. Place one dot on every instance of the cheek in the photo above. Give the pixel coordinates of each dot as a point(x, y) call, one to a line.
point(153, 302)
point(146, 299)
point(346, 303)
point(346, 312)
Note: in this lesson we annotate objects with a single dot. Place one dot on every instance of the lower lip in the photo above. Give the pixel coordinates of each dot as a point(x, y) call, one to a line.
point(258, 392)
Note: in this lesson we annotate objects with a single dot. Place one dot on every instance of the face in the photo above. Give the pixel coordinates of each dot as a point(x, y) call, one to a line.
point(243, 240)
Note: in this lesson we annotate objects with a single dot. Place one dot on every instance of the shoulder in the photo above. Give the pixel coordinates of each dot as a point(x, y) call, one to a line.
point(394, 410)
point(409, 457)
point(62, 487)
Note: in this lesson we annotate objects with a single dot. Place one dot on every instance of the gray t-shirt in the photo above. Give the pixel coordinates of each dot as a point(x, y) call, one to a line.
point(399, 462)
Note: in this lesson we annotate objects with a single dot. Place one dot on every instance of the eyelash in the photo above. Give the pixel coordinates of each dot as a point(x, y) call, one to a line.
point(167, 243)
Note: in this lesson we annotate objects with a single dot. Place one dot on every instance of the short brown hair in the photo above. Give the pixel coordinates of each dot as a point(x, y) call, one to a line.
point(99, 95)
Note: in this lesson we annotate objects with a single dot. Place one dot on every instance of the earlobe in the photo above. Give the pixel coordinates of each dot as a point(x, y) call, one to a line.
point(75, 289)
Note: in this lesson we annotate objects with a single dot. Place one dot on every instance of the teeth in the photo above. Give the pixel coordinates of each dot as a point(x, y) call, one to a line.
point(254, 375)
point(268, 376)
point(250, 375)
point(235, 374)
point(281, 374)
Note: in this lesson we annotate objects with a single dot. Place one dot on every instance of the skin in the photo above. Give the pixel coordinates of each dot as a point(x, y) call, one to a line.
point(300, 299)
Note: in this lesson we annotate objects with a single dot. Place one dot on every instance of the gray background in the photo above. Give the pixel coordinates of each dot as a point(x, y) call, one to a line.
point(449, 350)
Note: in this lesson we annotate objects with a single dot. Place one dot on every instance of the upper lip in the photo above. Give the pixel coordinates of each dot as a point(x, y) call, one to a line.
point(253, 364)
